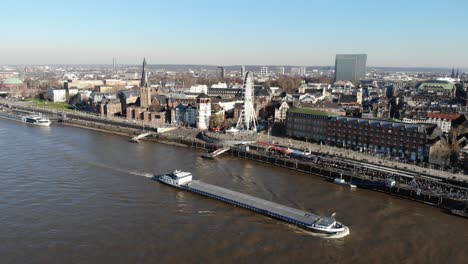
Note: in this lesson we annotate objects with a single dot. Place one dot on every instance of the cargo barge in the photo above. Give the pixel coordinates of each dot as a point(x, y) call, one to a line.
point(303, 219)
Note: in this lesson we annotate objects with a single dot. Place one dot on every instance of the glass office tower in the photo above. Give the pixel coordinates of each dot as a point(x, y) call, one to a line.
point(350, 67)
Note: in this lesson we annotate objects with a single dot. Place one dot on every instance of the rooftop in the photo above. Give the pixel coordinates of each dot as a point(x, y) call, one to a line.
point(12, 81)
point(311, 112)
point(443, 116)
point(436, 85)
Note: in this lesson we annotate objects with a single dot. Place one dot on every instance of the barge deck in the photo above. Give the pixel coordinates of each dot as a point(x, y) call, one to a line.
point(295, 216)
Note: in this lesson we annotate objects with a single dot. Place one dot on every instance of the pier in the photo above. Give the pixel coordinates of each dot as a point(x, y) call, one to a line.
point(141, 136)
point(216, 153)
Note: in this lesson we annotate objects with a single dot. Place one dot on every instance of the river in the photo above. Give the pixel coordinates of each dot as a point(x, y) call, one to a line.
point(70, 195)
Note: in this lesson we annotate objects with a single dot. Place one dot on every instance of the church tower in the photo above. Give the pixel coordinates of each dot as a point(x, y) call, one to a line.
point(145, 90)
point(144, 75)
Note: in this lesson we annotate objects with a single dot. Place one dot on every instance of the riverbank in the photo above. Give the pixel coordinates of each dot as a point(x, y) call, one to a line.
point(437, 192)
point(187, 140)
point(363, 175)
point(295, 144)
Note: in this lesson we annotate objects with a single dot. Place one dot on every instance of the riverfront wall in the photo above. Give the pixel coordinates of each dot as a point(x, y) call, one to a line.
point(436, 194)
point(318, 168)
point(331, 173)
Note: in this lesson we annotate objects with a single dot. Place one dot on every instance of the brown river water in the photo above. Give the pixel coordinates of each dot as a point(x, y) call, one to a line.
point(70, 195)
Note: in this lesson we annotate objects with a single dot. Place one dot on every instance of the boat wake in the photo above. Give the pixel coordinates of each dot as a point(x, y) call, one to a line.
point(132, 172)
point(205, 212)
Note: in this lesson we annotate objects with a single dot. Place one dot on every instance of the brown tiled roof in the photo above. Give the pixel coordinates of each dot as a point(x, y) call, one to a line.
point(443, 116)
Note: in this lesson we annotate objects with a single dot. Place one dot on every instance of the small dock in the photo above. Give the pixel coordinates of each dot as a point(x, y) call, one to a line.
point(216, 153)
point(275, 210)
point(141, 136)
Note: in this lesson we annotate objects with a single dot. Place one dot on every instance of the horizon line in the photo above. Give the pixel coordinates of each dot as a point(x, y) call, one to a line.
point(232, 65)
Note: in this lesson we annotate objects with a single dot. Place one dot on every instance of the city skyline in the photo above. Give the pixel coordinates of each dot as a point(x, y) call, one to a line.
point(301, 33)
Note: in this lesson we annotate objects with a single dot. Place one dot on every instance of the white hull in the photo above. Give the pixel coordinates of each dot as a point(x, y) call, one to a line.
point(43, 124)
point(36, 121)
point(43, 121)
point(329, 231)
point(166, 181)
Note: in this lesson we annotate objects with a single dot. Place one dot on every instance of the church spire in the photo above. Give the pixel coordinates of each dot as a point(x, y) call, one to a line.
point(458, 73)
point(453, 73)
point(144, 75)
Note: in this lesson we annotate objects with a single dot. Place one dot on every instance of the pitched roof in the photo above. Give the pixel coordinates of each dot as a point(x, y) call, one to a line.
point(162, 99)
point(436, 85)
point(443, 116)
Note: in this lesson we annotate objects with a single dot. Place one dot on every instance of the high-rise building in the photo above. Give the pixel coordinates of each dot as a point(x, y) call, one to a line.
point(221, 73)
point(264, 71)
point(280, 70)
point(350, 67)
point(242, 71)
point(303, 71)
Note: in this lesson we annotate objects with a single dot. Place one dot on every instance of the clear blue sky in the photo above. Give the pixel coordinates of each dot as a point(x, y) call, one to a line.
point(295, 32)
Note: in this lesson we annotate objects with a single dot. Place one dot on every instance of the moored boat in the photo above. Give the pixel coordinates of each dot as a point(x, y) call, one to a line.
point(36, 120)
point(462, 213)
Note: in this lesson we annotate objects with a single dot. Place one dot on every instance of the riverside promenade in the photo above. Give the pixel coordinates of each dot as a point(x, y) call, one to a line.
point(365, 157)
point(192, 134)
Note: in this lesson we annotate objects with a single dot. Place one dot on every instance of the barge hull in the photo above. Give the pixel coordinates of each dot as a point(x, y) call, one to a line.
point(274, 210)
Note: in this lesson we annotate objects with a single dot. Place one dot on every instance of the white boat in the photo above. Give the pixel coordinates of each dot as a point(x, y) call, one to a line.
point(177, 178)
point(340, 181)
point(36, 120)
point(327, 225)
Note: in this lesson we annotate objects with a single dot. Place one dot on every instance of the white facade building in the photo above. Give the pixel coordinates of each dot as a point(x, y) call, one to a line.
point(295, 71)
point(280, 113)
point(203, 111)
point(199, 89)
point(219, 85)
point(280, 70)
point(303, 71)
point(57, 95)
point(443, 121)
